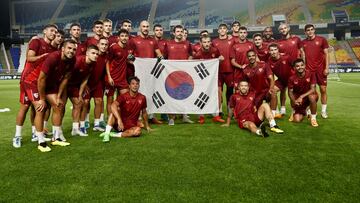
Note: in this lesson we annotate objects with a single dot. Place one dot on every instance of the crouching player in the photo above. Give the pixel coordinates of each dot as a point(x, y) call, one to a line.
point(125, 111)
point(242, 105)
point(302, 93)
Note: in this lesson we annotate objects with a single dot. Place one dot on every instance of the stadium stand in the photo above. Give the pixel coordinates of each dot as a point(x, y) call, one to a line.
point(135, 13)
point(355, 45)
point(321, 10)
point(15, 55)
point(25, 11)
point(341, 55)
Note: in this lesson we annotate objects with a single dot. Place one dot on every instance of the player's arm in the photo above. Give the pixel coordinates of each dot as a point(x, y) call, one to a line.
point(327, 60)
point(236, 65)
point(272, 83)
point(159, 54)
point(62, 89)
point(41, 83)
point(310, 91)
point(111, 81)
point(302, 54)
point(31, 56)
point(291, 95)
point(115, 109)
point(145, 119)
point(82, 87)
point(228, 119)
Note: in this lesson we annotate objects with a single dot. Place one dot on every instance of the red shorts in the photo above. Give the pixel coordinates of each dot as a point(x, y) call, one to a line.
point(281, 84)
point(252, 118)
point(53, 90)
point(261, 96)
point(24, 99)
point(301, 109)
point(97, 91)
point(110, 90)
point(321, 79)
point(73, 91)
point(31, 92)
point(227, 78)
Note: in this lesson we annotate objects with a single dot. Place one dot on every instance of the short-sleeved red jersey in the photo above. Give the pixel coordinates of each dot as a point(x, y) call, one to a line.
point(258, 76)
point(224, 46)
point(314, 53)
point(143, 47)
point(178, 50)
point(301, 85)
point(130, 108)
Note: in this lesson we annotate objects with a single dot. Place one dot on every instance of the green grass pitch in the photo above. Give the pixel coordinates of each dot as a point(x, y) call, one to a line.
point(190, 162)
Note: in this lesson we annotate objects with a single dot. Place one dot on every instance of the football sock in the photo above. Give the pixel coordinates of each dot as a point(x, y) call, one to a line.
point(97, 122)
point(258, 132)
point(283, 109)
point(75, 125)
point(101, 117)
point(18, 130)
point(40, 136)
point(33, 129)
point(57, 132)
point(323, 107)
point(108, 129)
point(313, 116)
point(82, 124)
point(116, 134)
point(273, 112)
point(272, 123)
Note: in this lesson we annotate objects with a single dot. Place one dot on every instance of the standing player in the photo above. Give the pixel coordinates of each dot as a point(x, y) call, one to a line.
point(76, 88)
point(238, 54)
point(98, 33)
point(302, 93)
point(235, 28)
point(38, 49)
point(261, 48)
point(127, 25)
point(116, 68)
point(125, 112)
point(260, 78)
point(268, 35)
point(107, 31)
point(226, 72)
point(186, 33)
point(178, 49)
point(248, 116)
point(47, 83)
point(315, 52)
point(281, 66)
point(158, 35)
point(197, 46)
point(75, 32)
point(209, 52)
point(145, 46)
point(289, 44)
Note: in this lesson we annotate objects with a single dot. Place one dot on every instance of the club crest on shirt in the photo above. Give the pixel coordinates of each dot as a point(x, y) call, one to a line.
point(184, 46)
point(260, 70)
point(127, 102)
point(284, 62)
point(293, 42)
point(213, 55)
point(251, 98)
point(229, 42)
point(317, 42)
point(296, 82)
point(151, 42)
point(307, 79)
point(139, 101)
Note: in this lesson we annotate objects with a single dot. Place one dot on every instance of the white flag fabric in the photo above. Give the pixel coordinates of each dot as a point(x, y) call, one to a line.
point(179, 86)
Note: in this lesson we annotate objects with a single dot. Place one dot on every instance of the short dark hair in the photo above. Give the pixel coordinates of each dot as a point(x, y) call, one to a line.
point(203, 32)
point(251, 50)
point(92, 47)
point(222, 25)
point(309, 26)
point(235, 22)
point(51, 25)
point(61, 32)
point(97, 22)
point(107, 20)
point(157, 25)
point(123, 31)
point(274, 45)
point(68, 41)
point(132, 78)
point(243, 28)
point(178, 26)
point(75, 24)
point(297, 61)
point(125, 21)
point(204, 36)
point(257, 35)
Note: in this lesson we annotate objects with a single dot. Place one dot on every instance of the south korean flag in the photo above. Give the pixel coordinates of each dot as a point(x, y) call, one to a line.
point(179, 86)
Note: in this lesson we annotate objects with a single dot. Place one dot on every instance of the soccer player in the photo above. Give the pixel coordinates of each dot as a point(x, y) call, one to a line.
point(226, 72)
point(98, 33)
point(289, 44)
point(281, 66)
point(302, 93)
point(38, 50)
point(316, 55)
point(178, 49)
point(267, 35)
point(127, 25)
point(186, 33)
point(158, 35)
point(145, 46)
point(242, 106)
point(197, 46)
point(96, 86)
point(125, 112)
point(107, 31)
point(209, 52)
point(261, 48)
point(47, 83)
point(75, 32)
point(260, 78)
point(235, 28)
point(116, 68)
point(76, 88)
point(238, 54)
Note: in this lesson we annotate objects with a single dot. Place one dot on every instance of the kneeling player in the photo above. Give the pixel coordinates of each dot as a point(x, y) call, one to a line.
point(125, 111)
point(242, 105)
point(302, 93)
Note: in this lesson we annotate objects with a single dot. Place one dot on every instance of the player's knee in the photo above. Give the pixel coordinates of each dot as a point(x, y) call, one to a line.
point(297, 118)
point(98, 101)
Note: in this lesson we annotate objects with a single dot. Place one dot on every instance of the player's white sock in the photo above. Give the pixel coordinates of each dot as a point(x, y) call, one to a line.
point(151, 116)
point(40, 136)
point(102, 117)
point(53, 130)
point(45, 124)
point(33, 129)
point(273, 112)
point(96, 122)
point(87, 117)
point(313, 116)
point(108, 129)
point(258, 132)
point(116, 135)
point(283, 110)
point(277, 109)
point(82, 124)
point(323, 107)
point(18, 130)
point(57, 131)
point(272, 123)
point(75, 125)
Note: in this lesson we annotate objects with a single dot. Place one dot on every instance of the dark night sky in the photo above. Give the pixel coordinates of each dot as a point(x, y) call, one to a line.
point(4, 18)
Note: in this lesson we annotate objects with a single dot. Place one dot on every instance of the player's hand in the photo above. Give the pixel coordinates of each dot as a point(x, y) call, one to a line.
point(120, 125)
point(81, 100)
point(131, 57)
point(43, 55)
point(298, 101)
point(243, 66)
point(225, 125)
point(159, 58)
point(111, 81)
point(59, 102)
point(221, 58)
point(272, 91)
point(326, 71)
point(41, 105)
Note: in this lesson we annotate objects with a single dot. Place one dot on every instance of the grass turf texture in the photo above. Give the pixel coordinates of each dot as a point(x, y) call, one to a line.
point(190, 162)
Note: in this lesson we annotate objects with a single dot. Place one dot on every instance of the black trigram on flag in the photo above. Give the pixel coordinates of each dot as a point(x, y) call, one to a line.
point(201, 100)
point(201, 71)
point(157, 99)
point(156, 71)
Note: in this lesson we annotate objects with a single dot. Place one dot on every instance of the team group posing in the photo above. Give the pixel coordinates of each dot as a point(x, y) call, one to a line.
point(58, 69)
